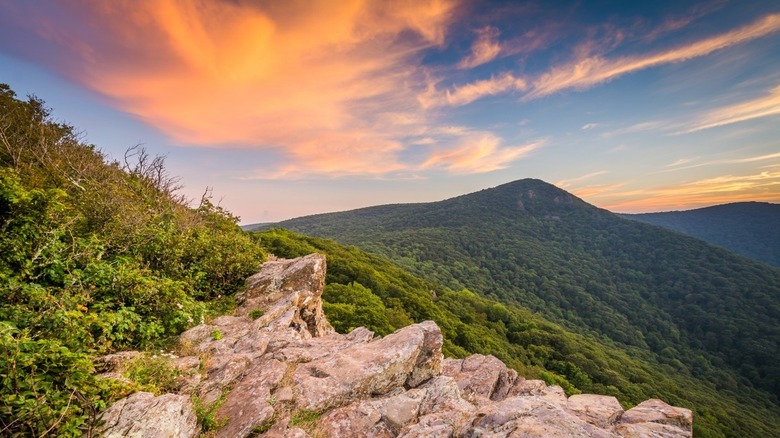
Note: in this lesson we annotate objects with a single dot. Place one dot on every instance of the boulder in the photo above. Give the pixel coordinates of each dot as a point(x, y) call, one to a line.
point(600, 410)
point(530, 417)
point(481, 377)
point(409, 357)
point(657, 412)
point(142, 414)
point(291, 291)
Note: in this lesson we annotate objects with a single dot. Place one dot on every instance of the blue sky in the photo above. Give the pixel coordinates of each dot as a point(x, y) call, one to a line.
point(300, 107)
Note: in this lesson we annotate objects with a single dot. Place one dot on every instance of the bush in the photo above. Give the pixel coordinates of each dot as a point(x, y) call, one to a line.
point(95, 257)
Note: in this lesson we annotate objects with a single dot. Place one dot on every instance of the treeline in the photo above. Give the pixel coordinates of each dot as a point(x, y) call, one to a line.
point(96, 256)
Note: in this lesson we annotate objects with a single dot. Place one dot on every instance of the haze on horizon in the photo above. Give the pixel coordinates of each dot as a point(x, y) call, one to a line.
point(302, 107)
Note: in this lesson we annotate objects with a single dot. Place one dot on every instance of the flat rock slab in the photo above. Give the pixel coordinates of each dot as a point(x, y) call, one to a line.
point(600, 410)
point(409, 357)
point(143, 415)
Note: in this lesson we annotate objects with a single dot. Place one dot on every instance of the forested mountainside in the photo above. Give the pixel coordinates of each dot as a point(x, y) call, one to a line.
point(366, 290)
point(703, 308)
point(749, 228)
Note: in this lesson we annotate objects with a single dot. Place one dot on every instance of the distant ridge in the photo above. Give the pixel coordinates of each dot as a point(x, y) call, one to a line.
point(748, 228)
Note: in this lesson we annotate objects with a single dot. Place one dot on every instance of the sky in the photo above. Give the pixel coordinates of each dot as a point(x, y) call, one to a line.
point(289, 108)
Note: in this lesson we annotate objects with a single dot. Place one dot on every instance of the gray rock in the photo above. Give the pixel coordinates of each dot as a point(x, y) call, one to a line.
point(600, 410)
point(247, 405)
point(409, 356)
point(656, 411)
point(484, 377)
point(530, 417)
point(284, 285)
point(144, 415)
point(266, 370)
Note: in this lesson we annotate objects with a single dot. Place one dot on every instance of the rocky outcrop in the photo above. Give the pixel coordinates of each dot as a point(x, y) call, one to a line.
point(142, 414)
point(277, 369)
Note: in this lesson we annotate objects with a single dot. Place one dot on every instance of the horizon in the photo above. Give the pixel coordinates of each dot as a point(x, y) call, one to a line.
point(288, 110)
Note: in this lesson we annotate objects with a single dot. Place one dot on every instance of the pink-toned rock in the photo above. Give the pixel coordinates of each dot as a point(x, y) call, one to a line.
point(142, 414)
point(221, 372)
point(247, 405)
point(289, 291)
point(484, 377)
point(656, 411)
point(359, 419)
point(554, 394)
point(600, 410)
point(442, 410)
point(289, 359)
point(651, 430)
point(527, 387)
point(409, 356)
point(530, 417)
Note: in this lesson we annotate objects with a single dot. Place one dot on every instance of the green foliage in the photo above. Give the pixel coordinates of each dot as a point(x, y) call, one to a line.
point(154, 373)
point(44, 386)
point(306, 420)
point(263, 428)
point(95, 257)
point(207, 413)
point(256, 313)
point(350, 306)
point(749, 228)
point(216, 335)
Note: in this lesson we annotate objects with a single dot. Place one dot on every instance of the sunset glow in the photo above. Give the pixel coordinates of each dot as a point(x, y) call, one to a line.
point(673, 106)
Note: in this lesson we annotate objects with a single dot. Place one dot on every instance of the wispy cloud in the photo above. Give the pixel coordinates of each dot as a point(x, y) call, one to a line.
point(593, 70)
point(465, 94)
point(637, 127)
point(483, 50)
point(481, 152)
point(752, 109)
point(568, 182)
point(683, 164)
point(589, 126)
point(588, 70)
point(682, 161)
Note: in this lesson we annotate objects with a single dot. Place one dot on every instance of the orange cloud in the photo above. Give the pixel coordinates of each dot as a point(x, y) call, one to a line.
point(484, 49)
point(740, 112)
point(480, 152)
point(311, 78)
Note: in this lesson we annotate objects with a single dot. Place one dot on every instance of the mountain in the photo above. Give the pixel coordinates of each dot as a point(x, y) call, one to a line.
point(749, 228)
point(702, 310)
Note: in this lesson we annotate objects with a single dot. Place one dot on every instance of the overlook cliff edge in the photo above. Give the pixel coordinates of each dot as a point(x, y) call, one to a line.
point(276, 368)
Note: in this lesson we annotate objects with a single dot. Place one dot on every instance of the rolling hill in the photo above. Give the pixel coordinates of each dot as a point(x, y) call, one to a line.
point(749, 228)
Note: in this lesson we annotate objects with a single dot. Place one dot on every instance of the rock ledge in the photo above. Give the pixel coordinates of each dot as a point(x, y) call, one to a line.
point(287, 374)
